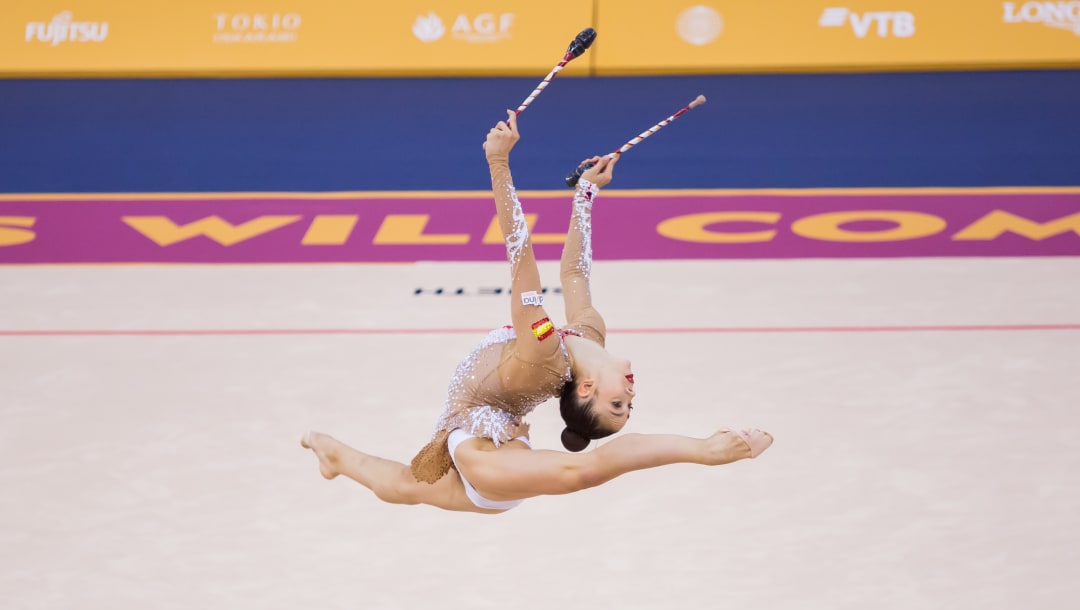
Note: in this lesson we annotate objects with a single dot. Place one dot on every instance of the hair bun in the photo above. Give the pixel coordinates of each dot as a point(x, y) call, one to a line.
point(573, 441)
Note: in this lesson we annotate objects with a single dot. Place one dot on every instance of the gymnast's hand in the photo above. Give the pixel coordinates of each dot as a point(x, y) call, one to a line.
point(521, 429)
point(501, 138)
point(600, 173)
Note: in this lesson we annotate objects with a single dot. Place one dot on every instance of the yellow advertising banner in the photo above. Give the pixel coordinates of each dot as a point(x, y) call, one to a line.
point(527, 37)
point(281, 37)
point(695, 36)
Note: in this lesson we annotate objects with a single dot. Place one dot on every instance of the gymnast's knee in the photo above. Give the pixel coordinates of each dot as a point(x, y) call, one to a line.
point(402, 489)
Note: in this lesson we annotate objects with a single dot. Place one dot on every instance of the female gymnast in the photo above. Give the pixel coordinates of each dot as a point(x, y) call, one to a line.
point(480, 459)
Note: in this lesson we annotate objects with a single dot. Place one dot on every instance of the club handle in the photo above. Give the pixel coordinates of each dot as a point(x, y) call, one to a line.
point(573, 177)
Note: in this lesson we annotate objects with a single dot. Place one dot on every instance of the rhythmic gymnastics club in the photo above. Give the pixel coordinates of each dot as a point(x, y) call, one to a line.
point(577, 47)
point(574, 176)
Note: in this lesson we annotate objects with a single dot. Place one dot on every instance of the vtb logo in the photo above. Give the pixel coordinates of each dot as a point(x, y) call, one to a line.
point(902, 22)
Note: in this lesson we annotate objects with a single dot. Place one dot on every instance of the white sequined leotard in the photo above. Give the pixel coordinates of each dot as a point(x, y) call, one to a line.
point(502, 379)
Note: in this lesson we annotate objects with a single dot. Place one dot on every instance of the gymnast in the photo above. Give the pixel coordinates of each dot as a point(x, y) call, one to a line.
point(480, 458)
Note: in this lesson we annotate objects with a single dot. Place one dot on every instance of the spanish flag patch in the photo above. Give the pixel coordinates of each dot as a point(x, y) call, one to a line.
point(543, 329)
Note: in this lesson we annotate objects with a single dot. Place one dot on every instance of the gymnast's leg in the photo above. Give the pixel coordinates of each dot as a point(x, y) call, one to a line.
point(512, 475)
point(389, 480)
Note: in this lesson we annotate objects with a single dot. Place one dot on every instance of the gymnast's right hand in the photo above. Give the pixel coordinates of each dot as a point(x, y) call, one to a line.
point(501, 138)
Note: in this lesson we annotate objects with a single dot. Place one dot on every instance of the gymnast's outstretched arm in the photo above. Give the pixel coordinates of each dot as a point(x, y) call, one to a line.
point(576, 263)
point(531, 323)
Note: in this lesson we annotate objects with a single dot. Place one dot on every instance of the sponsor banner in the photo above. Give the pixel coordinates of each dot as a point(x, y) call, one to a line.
point(732, 35)
point(462, 227)
point(519, 37)
point(405, 37)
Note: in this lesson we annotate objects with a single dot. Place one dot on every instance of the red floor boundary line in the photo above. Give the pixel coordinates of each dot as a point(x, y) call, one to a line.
point(480, 331)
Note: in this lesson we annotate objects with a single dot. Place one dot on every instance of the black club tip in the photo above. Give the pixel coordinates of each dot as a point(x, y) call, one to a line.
point(582, 42)
point(573, 177)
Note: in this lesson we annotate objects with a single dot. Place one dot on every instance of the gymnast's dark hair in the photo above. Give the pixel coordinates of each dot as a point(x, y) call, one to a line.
point(581, 424)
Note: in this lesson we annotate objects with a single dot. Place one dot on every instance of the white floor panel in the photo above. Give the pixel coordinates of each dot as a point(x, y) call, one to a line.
point(912, 469)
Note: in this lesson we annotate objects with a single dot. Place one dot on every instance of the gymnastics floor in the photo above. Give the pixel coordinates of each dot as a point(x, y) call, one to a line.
point(924, 411)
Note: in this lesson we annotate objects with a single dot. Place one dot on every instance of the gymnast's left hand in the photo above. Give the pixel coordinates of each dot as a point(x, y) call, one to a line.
point(501, 138)
point(600, 173)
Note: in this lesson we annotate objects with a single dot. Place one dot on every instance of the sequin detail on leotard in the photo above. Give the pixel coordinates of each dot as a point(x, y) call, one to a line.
point(582, 219)
point(481, 420)
point(490, 393)
point(519, 232)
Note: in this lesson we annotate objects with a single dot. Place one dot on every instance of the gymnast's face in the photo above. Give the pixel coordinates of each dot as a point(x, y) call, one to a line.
point(613, 391)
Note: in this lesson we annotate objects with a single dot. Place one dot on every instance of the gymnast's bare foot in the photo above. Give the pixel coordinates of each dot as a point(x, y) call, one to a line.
point(322, 445)
point(728, 446)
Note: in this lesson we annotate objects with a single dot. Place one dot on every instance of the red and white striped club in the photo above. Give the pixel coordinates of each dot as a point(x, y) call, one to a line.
point(577, 47)
point(574, 176)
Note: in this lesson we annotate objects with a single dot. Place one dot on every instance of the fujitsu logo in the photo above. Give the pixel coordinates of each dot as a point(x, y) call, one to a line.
point(902, 22)
point(1063, 15)
point(63, 29)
